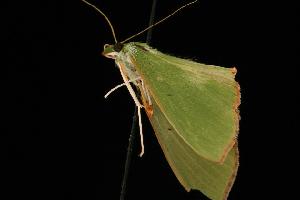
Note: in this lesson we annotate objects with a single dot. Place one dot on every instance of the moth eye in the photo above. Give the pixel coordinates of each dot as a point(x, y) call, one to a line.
point(169, 129)
point(118, 47)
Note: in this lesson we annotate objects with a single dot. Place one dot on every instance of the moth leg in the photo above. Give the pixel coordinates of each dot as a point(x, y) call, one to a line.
point(126, 82)
point(146, 93)
point(144, 90)
point(141, 132)
point(136, 101)
point(118, 86)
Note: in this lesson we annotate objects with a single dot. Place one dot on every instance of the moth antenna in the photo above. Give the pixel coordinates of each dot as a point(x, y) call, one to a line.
point(106, 18)
point(170, 15)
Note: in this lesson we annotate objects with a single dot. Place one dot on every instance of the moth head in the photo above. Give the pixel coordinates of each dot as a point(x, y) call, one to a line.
point(112, 50)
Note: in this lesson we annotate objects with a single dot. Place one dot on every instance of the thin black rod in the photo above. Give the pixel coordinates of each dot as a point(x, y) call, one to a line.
point(151, 21)
point(129, 154)
point(134, 118)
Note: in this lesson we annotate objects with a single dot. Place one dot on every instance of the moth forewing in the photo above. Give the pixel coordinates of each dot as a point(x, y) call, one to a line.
point(164, 80)
point(193, 171)
point(199, 101)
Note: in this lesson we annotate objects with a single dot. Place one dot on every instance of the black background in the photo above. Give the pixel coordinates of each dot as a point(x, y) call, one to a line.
point(65, 141)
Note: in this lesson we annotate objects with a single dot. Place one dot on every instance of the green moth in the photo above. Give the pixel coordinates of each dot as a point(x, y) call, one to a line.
point(193, 109)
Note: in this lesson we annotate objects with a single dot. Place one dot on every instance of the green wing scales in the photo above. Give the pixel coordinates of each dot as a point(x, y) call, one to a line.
point(199, 101)
point(193, 171)
point(195, 117)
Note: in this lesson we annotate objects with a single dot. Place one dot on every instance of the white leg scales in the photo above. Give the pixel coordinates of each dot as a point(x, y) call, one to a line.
point(137, 103)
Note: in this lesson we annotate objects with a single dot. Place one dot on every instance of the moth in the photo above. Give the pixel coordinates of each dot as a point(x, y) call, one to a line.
point(192, 107)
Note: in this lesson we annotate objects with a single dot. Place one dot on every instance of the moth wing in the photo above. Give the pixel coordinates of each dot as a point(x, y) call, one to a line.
point(198, 101)
point(192, 170)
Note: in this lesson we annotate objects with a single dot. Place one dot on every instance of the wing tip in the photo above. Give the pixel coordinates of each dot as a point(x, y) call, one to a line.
point(233, 175)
